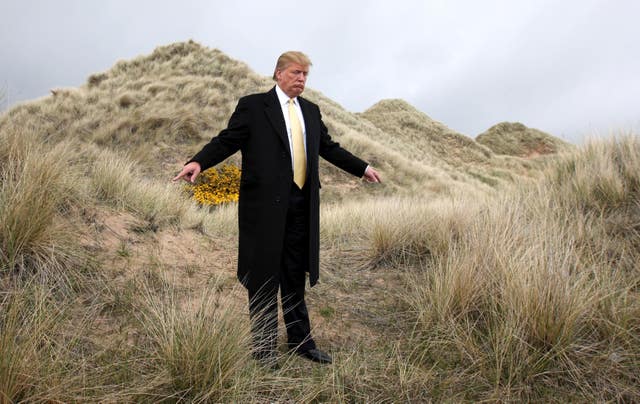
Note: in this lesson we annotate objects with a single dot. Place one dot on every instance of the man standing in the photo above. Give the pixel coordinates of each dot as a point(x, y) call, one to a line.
point(280, 135)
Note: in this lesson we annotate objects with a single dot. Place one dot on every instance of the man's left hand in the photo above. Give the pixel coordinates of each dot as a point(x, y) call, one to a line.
point(371, 175)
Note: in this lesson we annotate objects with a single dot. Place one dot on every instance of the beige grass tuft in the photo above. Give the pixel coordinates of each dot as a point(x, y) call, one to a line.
point(534, 297)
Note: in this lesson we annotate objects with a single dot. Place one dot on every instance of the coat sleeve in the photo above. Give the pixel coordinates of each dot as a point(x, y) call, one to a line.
point(336, 155)
point(228, 141)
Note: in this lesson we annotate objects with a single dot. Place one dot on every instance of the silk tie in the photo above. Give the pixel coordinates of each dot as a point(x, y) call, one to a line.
point(299, 157)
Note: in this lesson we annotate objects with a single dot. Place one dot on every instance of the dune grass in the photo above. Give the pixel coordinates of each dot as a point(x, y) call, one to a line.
point(26, 321)
point(33, 201)
point(515, 139)
point(527, 295)
point(539, 296)
point(395, 231)
point(468, 279)
point(43, 348)
point(201, 346)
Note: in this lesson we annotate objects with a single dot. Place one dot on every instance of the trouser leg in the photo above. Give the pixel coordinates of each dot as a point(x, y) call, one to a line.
point(292, 274)
point(263, 307)
point(263, 312)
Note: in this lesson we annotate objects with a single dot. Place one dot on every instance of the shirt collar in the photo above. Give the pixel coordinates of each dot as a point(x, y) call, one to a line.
point(283, 98)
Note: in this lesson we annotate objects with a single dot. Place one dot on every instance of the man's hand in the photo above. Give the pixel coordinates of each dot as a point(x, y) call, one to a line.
point(371, 175)
point(189, 172)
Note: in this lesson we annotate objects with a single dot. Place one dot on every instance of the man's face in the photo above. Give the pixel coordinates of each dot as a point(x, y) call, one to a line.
point(292, 79)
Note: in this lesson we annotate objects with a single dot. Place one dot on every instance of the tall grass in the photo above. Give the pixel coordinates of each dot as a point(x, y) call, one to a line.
point(529, 295)
point(35, 190)
point(38, 348)
point(117, 181)
point(200, 344)
point(395, 231)
point(540, 293)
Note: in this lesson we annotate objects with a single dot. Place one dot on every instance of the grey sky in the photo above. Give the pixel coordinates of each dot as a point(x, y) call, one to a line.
point(566, 67)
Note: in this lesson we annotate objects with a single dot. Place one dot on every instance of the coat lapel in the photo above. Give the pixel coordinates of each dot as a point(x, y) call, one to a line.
point(310, 126)
point(274, 114)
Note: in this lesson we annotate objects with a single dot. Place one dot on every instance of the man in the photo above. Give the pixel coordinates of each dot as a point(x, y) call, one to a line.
point(280, 136)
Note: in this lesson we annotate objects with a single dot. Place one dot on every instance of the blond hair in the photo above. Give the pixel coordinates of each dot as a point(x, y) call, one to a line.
point(291, 57)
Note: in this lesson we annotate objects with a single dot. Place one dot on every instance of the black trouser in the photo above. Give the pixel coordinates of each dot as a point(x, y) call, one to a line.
point(263, 304)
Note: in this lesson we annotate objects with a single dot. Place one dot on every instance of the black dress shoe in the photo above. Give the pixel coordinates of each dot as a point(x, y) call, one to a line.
point(315, 355)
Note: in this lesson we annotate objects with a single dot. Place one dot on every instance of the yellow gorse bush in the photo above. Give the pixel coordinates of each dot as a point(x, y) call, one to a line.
point(214, 186)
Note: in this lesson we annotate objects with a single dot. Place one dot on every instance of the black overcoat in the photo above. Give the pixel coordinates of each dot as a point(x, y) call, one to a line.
point(257, 128)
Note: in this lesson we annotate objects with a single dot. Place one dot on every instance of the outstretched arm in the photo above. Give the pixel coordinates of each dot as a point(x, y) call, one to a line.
point(220, 147)
point(335, 154)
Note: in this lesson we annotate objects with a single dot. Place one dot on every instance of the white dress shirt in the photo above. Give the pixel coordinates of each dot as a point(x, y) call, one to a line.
point(284, 104)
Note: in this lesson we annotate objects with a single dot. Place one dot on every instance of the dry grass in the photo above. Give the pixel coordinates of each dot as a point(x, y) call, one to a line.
point(115, 181)
point(540, 293)
point(422, 137)
point(394, 231)
point(115, 287)
point(35, 193)
point(26, 320)
point(42, 346)
point(515, 139)
point(454, 156)
point(200, 345)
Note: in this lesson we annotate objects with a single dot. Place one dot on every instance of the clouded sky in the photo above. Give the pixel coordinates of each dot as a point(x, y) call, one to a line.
point(568, 67)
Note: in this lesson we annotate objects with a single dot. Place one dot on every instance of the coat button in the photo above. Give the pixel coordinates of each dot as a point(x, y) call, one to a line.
point(278, 199)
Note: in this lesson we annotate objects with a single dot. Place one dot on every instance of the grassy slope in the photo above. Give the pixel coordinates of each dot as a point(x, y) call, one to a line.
point(423, 139)
point(122, 290)
point(515, 139)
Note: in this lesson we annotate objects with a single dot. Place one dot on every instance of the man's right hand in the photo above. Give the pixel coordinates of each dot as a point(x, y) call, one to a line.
point(189, 172)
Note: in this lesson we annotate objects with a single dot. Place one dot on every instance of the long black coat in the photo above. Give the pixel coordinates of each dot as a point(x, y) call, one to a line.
point(257, 128)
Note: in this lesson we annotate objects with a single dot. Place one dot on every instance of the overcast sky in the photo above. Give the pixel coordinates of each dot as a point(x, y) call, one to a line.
point(571, 68)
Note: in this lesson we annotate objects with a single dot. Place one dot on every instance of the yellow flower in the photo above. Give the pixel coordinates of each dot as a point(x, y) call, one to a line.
point(215, 187)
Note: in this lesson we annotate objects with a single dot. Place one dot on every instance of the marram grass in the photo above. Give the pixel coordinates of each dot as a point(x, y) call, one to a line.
point(539, 298)
point(445, 283)
point(35, 190)
point(529, 295)
point(200, 345)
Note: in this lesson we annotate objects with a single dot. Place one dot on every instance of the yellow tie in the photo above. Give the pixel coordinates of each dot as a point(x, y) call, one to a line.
point(299, 157)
